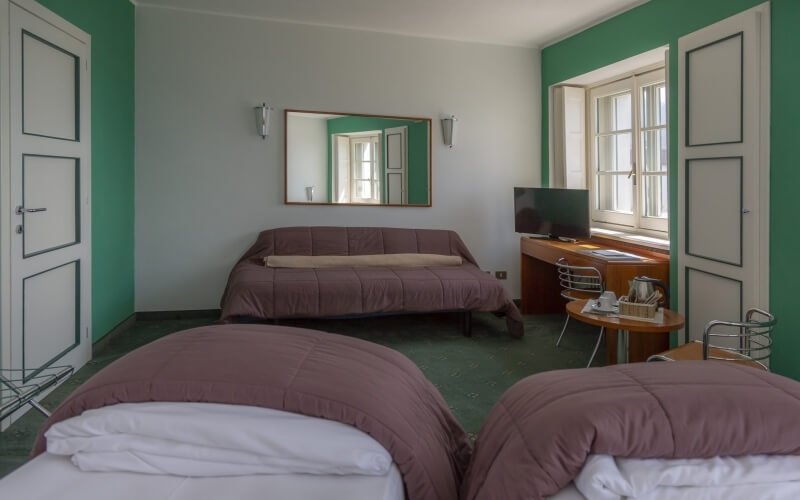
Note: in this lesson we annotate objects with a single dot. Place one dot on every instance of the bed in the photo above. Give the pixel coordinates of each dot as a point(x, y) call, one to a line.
point(256, 290)
point(215, 410)
point(693, 429)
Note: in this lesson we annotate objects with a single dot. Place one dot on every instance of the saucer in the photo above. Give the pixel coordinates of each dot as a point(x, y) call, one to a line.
point(596, 307)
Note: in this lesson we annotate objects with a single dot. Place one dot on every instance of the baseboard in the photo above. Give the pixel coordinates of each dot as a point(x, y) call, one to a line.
point(122, 328)
point(165, 315)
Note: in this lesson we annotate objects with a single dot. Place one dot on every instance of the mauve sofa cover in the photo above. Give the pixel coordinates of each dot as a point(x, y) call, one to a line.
point(257, 291)
point(539, 434)
point(368, 386)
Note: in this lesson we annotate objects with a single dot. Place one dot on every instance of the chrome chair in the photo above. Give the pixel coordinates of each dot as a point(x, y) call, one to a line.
point(580, 282)
point(751, 345)
point(17, 390)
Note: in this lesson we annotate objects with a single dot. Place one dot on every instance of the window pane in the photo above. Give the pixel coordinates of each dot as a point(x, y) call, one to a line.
point(366, 154)
point(615, 193)
point(656, 200)
point(614, 112)
point(366, 170)
point(654, 150)
point(614, 152)
point(363, 189)
point(654, 105)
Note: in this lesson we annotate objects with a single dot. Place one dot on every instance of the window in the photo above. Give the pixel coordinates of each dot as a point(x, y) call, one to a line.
point(628, 153)
point(366, 170)
point(357, 168)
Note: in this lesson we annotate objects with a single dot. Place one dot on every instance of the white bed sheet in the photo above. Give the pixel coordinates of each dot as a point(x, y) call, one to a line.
point(49, 477)
point(776, 477)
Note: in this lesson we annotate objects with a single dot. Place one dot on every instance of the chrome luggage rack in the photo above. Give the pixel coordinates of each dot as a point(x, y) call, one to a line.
point(16, 390)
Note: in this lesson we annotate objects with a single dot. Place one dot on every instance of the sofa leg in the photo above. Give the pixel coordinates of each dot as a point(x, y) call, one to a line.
point(466, 323)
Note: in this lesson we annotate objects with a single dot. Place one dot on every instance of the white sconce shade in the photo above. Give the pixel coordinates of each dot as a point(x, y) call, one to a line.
point(449, 130)
point(263, 113)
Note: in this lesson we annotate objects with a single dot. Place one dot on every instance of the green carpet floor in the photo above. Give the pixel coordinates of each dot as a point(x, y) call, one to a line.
point(471, 373)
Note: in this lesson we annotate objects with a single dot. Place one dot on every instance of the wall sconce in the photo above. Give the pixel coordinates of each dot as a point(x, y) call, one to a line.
point(263, 113)
point(449, 130)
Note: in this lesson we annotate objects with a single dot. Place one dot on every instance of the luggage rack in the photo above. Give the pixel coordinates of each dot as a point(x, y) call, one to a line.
point(16, 390)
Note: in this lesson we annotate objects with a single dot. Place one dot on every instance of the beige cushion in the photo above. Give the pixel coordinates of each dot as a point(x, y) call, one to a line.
point(381, 260)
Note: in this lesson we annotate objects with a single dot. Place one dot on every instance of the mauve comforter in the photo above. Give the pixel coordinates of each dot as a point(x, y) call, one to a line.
point(257, 291)
point(368, 386)
point(538, 435)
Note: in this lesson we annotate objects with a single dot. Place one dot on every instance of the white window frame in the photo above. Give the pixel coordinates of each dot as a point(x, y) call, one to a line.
point(375, 169)
point(634, 222)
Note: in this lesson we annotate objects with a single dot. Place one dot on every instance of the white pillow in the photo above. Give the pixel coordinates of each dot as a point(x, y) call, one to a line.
point(208, 439)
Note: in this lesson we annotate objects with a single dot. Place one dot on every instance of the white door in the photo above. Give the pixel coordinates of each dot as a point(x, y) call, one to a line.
point(723, 191)
point(396, 166)
point(48, 207)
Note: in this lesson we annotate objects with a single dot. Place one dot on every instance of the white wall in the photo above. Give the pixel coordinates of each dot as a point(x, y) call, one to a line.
point(307, 163)
point(206, 183)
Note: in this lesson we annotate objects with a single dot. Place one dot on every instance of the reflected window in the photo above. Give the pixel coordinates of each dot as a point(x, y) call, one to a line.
point(357, 168)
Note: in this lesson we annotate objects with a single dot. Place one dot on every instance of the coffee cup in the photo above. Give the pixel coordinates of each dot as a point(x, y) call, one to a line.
point(606, 300)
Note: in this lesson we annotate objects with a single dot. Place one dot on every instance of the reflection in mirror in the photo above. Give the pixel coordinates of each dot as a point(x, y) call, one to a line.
point(341, 158)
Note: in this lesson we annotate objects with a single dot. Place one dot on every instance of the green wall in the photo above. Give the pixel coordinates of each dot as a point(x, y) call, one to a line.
point(111, 24)
point(417, 150)
point(661, 22)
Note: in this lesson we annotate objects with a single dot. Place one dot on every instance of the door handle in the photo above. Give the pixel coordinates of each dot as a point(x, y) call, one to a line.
point(22, 210)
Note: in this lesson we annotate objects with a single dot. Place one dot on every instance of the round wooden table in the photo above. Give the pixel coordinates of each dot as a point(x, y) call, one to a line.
point(670, 322)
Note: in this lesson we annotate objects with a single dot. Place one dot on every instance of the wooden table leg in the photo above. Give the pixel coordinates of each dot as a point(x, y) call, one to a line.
point(643, 345)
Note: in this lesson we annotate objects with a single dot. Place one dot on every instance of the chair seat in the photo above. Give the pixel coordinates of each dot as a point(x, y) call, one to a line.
point(694, 351)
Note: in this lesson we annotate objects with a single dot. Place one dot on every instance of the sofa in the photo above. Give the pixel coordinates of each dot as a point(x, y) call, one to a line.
point(258, 291)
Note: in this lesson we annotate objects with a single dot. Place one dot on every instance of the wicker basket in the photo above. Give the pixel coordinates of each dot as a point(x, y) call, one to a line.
point(635, 310)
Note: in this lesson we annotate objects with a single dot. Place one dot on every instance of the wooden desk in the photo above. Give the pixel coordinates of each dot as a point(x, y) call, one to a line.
point(630, 329)
point(541, 290)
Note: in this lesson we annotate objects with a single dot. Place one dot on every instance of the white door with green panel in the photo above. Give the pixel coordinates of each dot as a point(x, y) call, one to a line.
point(723, 170)
point(396, 171)
point(48, 204)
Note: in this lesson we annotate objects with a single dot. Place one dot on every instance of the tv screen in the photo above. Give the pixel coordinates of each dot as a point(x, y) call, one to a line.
point(552, 212)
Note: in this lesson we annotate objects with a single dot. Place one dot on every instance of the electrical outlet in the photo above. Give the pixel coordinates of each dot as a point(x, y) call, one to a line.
point(501, 275)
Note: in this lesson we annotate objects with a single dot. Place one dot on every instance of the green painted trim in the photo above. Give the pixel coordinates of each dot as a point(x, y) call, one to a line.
point(741, 209)
point(687, 108)
point(784, 150)
point(77, 262)
point(77, 239)
point(77, 69)
point(686, 299)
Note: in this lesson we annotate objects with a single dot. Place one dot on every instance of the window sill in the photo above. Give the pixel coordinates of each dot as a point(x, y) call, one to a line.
point(636, 240)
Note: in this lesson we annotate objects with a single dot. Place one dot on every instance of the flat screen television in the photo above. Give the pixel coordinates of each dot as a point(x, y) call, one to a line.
point(557, 213)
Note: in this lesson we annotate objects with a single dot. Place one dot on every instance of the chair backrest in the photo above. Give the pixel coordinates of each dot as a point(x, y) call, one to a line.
point(753, 341)
point(583, 279)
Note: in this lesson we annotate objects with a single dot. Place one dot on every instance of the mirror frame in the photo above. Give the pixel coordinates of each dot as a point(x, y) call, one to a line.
point(395, 117)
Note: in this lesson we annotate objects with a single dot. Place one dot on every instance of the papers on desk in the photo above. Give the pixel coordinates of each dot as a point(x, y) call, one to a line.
point(612, 254)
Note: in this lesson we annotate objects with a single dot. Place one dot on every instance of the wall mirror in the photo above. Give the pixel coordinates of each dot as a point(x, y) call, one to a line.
point(357, 159)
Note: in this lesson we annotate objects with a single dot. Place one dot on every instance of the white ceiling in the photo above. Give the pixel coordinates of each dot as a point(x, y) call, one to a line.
point(525, 23)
